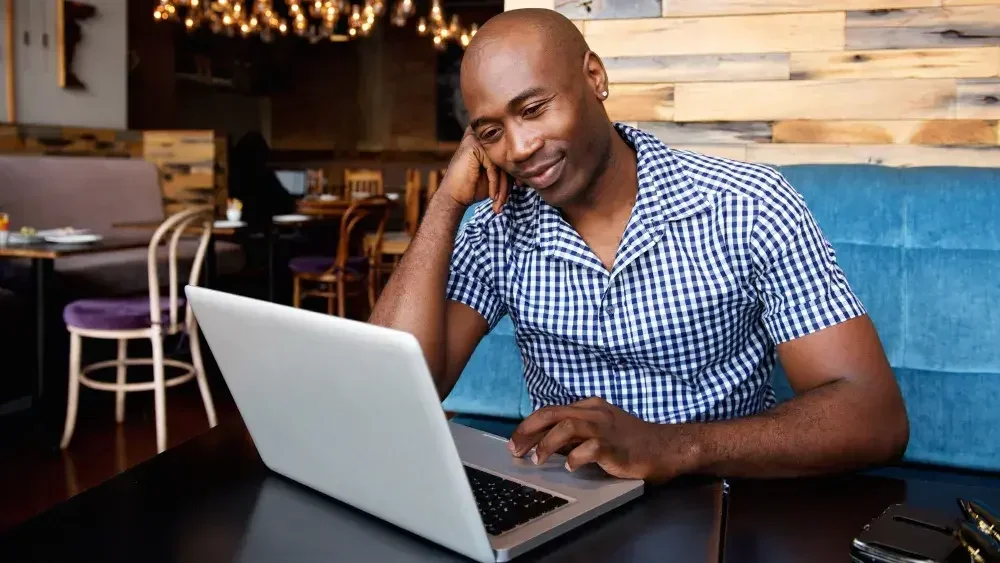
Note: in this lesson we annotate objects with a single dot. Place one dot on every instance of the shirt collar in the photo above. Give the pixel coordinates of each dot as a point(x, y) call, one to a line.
point(666, 193)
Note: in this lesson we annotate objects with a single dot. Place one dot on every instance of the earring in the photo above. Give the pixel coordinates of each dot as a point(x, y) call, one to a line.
point(604, 94)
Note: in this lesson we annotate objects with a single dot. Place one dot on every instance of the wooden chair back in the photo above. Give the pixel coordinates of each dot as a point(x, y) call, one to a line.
point(364, 217)
point(411, 199)
point(434, 178)
point(359, 184)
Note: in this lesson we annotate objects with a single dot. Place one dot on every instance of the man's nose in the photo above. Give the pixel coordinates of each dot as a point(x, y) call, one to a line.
point(522, 145)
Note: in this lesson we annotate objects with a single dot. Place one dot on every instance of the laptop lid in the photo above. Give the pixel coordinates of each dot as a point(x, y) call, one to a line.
point(346, 408)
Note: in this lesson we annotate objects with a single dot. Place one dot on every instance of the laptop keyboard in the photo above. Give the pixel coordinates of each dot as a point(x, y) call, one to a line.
point(504, 504)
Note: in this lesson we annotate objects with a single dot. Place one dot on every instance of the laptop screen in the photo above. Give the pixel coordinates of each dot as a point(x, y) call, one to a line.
point(294, 181)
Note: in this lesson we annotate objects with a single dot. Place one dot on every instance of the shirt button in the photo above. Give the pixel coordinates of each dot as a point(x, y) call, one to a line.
point(610, 309)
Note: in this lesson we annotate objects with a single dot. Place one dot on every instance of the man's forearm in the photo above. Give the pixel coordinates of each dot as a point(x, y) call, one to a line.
point(835, 427)
point(414, 299)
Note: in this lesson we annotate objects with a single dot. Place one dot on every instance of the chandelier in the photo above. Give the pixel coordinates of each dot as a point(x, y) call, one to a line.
point(312, 19)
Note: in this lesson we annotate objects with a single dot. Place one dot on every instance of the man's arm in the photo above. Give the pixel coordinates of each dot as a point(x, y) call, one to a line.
point(414, 299)
point(847, 413)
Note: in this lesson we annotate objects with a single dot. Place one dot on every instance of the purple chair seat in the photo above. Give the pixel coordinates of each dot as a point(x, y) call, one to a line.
point(127, 313)
point(319, 264)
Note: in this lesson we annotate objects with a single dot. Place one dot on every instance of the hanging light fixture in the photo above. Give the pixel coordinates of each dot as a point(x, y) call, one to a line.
point(312, 19)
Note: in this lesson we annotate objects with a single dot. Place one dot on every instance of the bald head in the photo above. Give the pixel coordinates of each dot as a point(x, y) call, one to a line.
point(558, 37)
point(534, 93)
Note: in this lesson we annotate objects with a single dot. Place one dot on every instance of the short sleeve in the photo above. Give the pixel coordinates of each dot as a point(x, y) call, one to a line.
point(802, 287)
point(470, 279)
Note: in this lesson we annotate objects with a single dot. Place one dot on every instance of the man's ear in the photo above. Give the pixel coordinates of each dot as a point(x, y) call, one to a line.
point(597, 76)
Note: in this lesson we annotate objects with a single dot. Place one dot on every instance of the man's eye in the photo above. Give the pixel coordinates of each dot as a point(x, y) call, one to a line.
point(532, 110)
point(489, 134)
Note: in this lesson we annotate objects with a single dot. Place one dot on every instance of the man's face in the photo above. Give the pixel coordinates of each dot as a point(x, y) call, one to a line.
point(534, 117)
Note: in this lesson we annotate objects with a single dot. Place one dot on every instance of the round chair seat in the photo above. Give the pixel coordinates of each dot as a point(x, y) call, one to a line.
point(127, 313)
point(356, 265)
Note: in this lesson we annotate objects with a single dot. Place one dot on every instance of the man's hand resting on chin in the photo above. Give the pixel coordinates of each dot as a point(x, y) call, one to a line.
point(594, 431)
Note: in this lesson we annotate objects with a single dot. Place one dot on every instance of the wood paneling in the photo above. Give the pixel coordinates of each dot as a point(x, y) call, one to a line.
point(687, 8)
point(948, 3)
point(973, 62)
point(641, 102)
point(887, 155)
point(717, 35)
point(601, 9)
point(935, 132)
point(185, 160)
point(930, 27)
point(733, 132)
point(815, 99)
point(892, 82)
point(979, 99)
point(701, 68)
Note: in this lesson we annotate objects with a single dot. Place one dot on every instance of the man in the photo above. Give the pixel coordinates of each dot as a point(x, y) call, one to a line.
point(647, 286)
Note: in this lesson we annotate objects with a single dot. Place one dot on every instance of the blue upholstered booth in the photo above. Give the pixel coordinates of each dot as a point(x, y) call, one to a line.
point(921, 247)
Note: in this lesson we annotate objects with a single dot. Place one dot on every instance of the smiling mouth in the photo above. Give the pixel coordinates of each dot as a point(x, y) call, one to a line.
point(546, 176)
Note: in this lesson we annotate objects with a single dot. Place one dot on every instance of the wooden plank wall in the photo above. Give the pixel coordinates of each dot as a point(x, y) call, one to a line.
point(192, 164)
point(896, 82)
point(186, 161)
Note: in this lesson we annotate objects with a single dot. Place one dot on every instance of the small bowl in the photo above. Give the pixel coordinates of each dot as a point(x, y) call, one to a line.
point(234, 215)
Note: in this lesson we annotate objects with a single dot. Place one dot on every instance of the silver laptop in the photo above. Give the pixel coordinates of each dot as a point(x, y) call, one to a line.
point(349, 409)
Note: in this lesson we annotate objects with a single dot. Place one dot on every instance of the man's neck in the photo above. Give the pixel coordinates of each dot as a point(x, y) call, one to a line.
point(611, 196)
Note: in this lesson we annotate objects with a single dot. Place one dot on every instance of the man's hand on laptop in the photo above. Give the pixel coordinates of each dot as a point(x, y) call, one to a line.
point(594, 431)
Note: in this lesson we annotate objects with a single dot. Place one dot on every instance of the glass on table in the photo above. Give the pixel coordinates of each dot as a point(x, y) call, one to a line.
point(4, 228)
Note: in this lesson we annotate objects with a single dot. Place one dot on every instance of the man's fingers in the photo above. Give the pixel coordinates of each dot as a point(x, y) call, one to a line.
point(503, 191)
point(568, 431)
point(585, 453)
point(491, 177)
point(533, 428)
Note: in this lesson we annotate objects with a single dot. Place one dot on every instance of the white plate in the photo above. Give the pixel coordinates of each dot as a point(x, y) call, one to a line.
point(73, 239)
point(229, 224)
point(290, 218)
point(63, 232)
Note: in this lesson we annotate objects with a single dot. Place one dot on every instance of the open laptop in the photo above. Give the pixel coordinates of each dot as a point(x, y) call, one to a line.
point(350, 409)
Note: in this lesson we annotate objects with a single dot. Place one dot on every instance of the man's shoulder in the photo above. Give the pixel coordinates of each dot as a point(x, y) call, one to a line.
point(727, 177)
point(721, 178)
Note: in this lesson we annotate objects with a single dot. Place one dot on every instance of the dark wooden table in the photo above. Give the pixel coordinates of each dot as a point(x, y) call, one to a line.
point(211, 499)
point(815, 520)
point(43, 257)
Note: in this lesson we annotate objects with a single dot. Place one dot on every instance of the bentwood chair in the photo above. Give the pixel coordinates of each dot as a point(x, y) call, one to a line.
point(149, 316)
point(328, 277)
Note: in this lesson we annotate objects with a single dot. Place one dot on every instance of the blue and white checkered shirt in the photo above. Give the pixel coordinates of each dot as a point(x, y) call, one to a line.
point(720, 261)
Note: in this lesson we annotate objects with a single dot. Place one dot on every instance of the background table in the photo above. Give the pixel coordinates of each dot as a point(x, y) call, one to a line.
point(211, 499)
